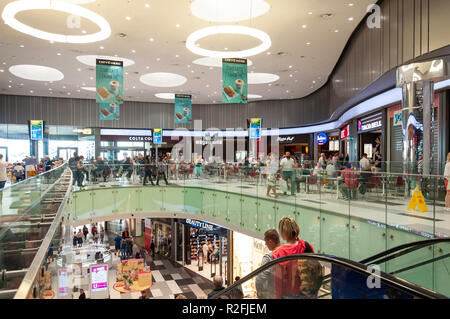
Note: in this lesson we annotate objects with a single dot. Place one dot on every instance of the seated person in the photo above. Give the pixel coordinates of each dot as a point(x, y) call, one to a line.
point(348, 182)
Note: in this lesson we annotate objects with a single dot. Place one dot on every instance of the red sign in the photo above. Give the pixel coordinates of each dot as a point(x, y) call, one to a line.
point(345, 132)
point(148, 234)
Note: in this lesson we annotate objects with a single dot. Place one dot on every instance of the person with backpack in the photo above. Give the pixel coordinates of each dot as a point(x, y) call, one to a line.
point(286, 278)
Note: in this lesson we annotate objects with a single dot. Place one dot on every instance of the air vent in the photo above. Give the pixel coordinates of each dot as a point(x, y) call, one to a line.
point(281, 53)
point(136, 72)
point(196, 78)
point(121, 35)
point(327, 16)
point(302, 57)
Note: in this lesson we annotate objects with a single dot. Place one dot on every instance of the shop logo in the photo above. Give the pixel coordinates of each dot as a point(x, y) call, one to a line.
point(322, 139)
point(285, 139)
point(398, 119)
point(369, 126)
point(374, 19)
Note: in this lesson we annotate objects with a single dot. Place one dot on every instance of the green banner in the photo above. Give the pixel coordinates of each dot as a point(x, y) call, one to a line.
point(183, 108)
point(109, 81)
point(234, 80)
point(109, 112)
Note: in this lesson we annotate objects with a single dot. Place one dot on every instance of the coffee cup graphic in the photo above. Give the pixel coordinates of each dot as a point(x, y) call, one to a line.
point(114, 86)
point(113, 107)
point(186, 111)
point(239, 85)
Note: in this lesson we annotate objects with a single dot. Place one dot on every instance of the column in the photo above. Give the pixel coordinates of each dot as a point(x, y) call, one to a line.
point(138, 229)
point(97, 142)
point(353, 138)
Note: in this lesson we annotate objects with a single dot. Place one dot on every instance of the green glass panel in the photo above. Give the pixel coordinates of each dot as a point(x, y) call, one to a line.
point(151, 199)
point(310, 227)
point(234, 209)
point(208, 203)
point(107, 204)
point(267, 215)
point(82, 204)
point(173, 199)
point(193, 200)
point(127, 200)
point(442, 269)
point(221, 203)
point(250, 213)
point(335, 235)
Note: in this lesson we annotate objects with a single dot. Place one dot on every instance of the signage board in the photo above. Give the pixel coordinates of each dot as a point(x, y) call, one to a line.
point(255, 128)
point(148, 233)
point(99, 278)
point(322, 139)
point(370, 123)
point(63, 287)
point(398, 118)
point(345, 132)
point(109, 81)
point(36, 129)
point(234, 80)
point(183, 108)
point(157, 136)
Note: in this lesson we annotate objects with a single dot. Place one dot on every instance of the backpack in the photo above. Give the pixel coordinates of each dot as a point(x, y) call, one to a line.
point(308, 248)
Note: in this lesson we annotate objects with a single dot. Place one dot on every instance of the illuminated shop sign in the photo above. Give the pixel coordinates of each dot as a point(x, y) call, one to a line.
point(345, 132)
point(140, 138)
point(370, 123)
point(322, 139)
point(199, 224)
point(285, 139)
point(398, 118)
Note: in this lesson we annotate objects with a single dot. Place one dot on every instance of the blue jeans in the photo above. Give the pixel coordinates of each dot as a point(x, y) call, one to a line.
point(289, 175)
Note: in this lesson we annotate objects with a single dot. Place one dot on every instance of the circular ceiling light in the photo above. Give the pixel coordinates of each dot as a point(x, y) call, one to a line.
point(13, 8)
point(229, 10)
point(228, 29)
point(36, 72)
point(91, 59)
point(214, 62)
point(261, 78)
point(162, 79)
point(88, 88)
point(166, 96)
point(254, 96)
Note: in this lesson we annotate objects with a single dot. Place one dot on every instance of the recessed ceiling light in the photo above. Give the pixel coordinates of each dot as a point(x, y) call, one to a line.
point(147, 5)
point(308, 43)
point(287, 91)
point(304, 26)
point(226, 49)
point(133, 51)
point(336, 30)
point(4, 63)
point(68, 93)
point(58, 53)
point(213, 62)
point(1, 70)
point(228, 29)
point(147, 67)
point(78, 69)
point(51, 42)
point(350, 4)
point(49, 89)
point(314, 82)
point(36, 72)
point(134, 87)
point(91, 78)
point(268, 53)
point(101, 48)
point(290, 75)
point(260, 78)
point(15, 7)
point(128, 18)
point(151, 39)
point(9, 86)
point(78, 91)
point(22, 46)
point(126, 73)
point(89, 88)
point(207, 85)
point(91, 59)
point(225, 11)
point(64, 87)
point(350, 19)
point(177, 25)
point(157, 59)
point(310, 13)
point(163, 79)
point(83, 31)
point(177, 55)
point(10, 81)
point(192, 71)
point(290, 67)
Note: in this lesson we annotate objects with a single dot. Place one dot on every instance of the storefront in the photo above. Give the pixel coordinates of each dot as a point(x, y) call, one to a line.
point(298, 145)
point(162, 235)
point(191, 236)
point(370, 138)
point(328, 143)
point(344, 135)
point(247, 256)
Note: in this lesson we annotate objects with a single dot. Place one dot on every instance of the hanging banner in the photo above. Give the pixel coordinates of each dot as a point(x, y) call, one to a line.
point(148, 233)
point(157, 136)
point(109, 81)
point(234, 80)
point(255, 128)
point(36, 129)
point(183, 108)
point(63, 287)
point(109, 111)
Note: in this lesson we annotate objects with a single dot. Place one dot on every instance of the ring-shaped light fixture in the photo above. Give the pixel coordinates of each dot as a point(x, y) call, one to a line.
point(228, 29)
point(36, 72)
point(229, 10)
point(13, 8)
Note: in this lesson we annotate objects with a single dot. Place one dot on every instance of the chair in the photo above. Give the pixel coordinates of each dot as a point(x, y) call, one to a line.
point(312, 180)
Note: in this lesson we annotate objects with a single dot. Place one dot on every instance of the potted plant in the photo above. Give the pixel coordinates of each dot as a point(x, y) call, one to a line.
point(128, 281)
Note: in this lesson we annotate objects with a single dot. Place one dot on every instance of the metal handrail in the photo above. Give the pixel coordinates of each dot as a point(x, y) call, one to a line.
point(29, 279)
point(392, 281)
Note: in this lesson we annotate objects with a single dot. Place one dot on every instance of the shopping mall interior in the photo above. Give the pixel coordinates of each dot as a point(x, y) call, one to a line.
point(224, 149)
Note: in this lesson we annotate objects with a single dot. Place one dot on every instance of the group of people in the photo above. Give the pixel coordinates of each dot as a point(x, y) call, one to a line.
point(210, 252)
point(126, 247)
point(95, 234)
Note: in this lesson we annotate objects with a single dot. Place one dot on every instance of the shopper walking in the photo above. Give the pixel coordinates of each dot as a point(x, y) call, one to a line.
point(80, 238)
point(264, 281)
point(161, 171)
point(272, 170)
point(102, 234)
point(152, 248)
point(117, 241)
point(129, 242)
point(287, 166)
point(447, 184)
point(123, 249)
point(3, 166)
point(75, 240)
point(85, 232)
point(148, 170)
point(80, 171)
point(199, 167)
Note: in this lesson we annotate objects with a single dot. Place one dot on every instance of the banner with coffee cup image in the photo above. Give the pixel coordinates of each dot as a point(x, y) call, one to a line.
point(234, 80)
point(109, 81)
point(183, 108)
point(109, 111)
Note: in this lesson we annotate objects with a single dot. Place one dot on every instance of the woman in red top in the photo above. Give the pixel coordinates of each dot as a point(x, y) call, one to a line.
point(286, 277)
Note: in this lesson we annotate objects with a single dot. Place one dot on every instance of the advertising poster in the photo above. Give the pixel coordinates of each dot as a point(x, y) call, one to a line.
point(148, 233)
point(255, 128)
point(109, 81)
point(183, 108)
point(234, 79)
point(99, 278)
point(36, 129)
point(157, 136)
point(62, 283)
point(109, 112)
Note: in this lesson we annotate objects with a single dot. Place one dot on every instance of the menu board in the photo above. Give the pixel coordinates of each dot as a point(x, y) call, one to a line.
point(63, 288)
point(183, 108)
point(109, 111)
point(36, 129)
point(234, 80)
point(99, 278)
point(255, 128)
point(157, 136)
point(109, 81)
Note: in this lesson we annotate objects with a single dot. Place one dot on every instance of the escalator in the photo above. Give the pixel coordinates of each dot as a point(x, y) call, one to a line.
point(419, 270)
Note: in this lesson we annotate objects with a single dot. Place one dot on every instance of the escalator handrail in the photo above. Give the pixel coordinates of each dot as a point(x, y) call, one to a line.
point(392, 281)
point(419, 244)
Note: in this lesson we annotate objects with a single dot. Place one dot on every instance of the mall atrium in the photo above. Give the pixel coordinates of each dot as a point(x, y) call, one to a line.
point(224, 149)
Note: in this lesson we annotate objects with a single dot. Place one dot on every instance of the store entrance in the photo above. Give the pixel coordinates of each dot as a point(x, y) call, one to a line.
point(66, 152)
point(4, 152)
point(121, 153)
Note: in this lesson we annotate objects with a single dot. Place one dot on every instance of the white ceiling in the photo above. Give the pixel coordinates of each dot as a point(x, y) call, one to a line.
point(167, 52)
